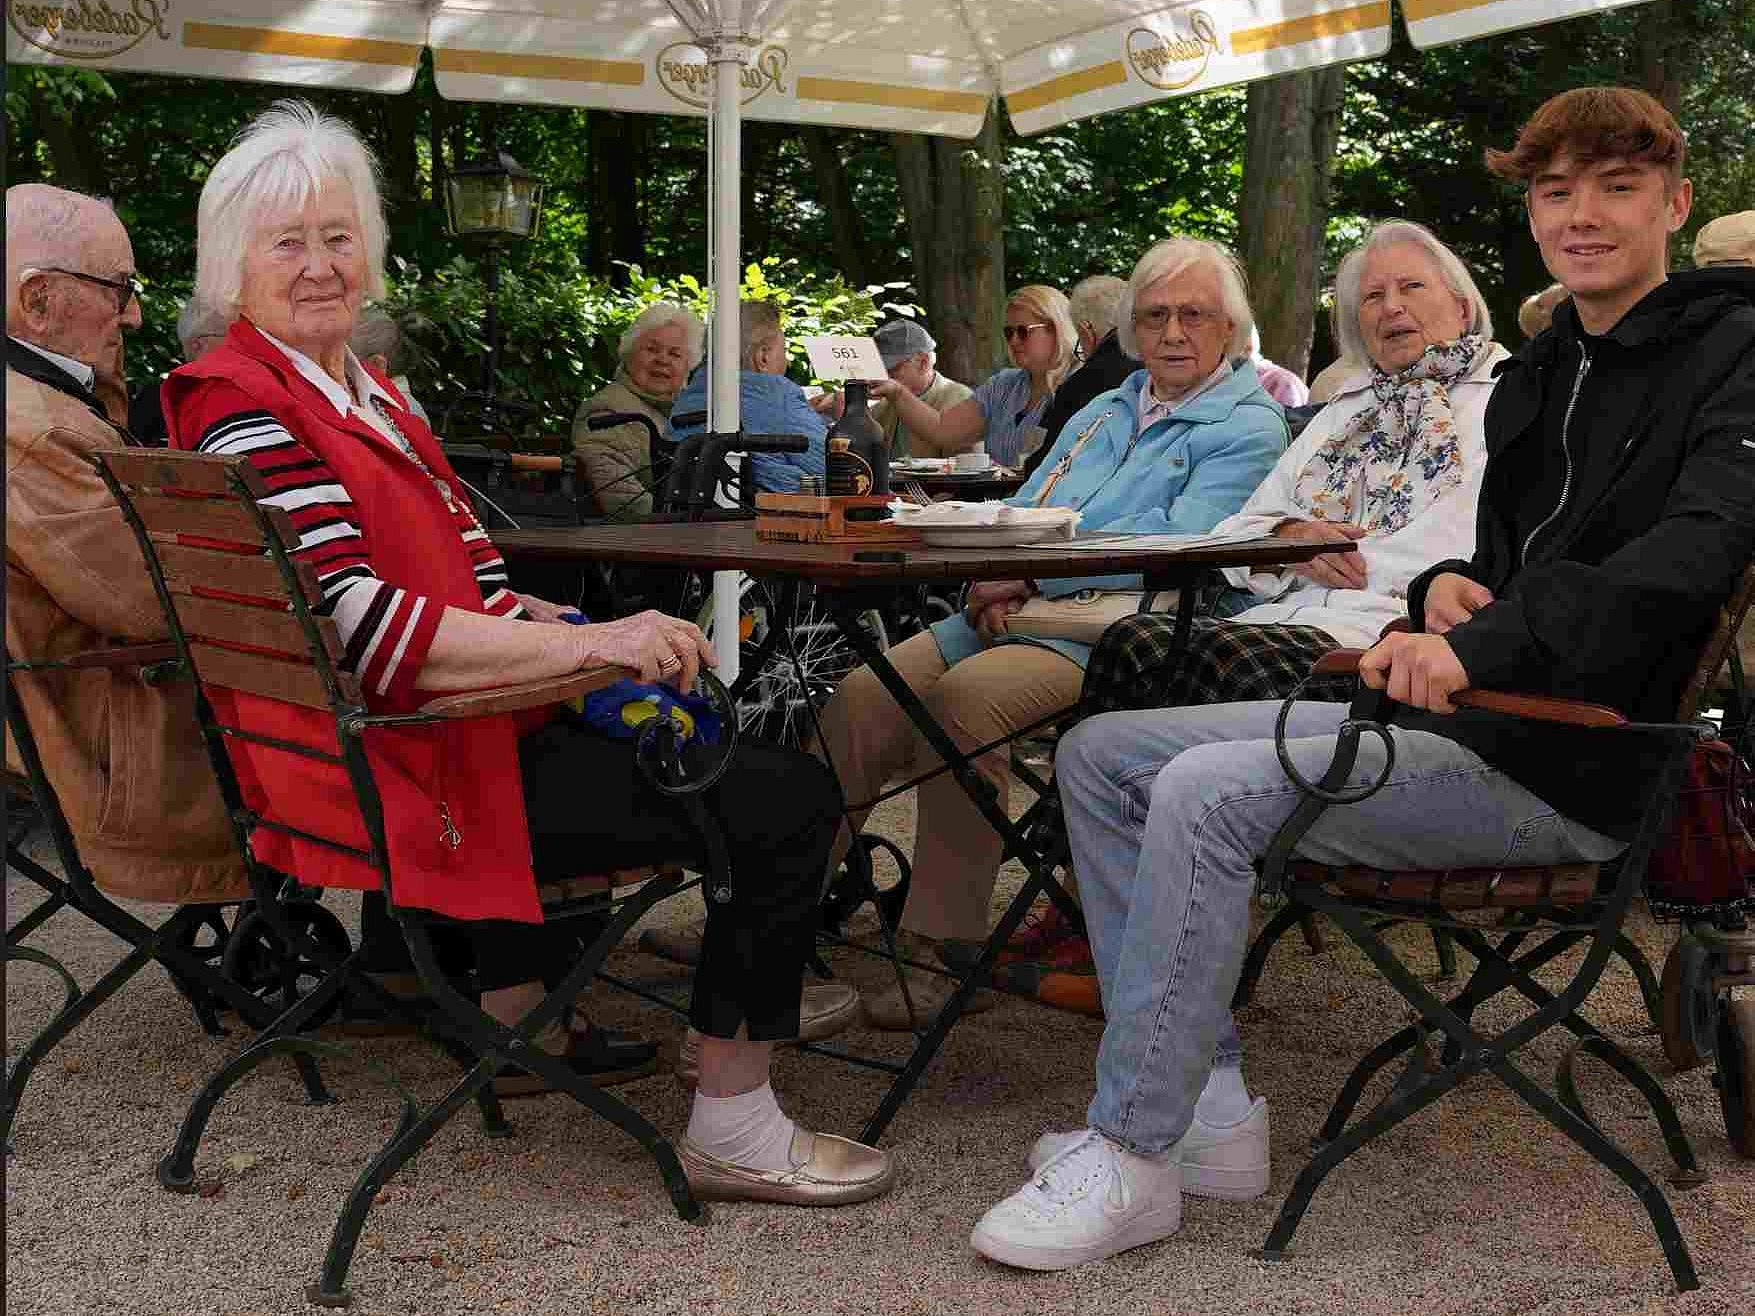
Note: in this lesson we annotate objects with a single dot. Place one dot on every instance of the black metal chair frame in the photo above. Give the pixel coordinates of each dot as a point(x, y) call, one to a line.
point(170, 943)
point(482, 1045)
point(1500, 966)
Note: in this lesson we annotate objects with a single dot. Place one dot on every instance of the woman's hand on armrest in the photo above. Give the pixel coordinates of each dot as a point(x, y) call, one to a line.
point(471, 651)
point(647, 642)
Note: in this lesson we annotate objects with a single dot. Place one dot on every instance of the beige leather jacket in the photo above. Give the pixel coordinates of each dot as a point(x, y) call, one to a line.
point(125, 758)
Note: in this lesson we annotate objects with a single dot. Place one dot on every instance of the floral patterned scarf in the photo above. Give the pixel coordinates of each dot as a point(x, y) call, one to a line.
point(1400, 454)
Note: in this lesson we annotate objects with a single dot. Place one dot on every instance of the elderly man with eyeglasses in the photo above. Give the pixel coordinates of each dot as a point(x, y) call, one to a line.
point(74, 577)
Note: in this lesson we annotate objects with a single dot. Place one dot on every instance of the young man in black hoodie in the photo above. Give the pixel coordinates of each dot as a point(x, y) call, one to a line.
point(1617, 512)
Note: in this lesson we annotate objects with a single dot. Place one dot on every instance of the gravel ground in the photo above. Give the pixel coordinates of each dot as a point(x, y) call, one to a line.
point(1473, 1207)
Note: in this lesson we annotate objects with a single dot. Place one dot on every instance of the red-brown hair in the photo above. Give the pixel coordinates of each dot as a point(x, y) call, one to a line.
point(1592, 124)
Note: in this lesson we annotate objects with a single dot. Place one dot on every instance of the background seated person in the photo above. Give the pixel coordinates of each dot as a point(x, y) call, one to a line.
point(125, 758)
point(291, 236)
point(1175, 449)
point(1537, 311)
point(1647, 383)
point(1095, 304)
point(908, 355)
point(198, 330)
point(1282, 385)
point(1005, 410)
point(659, 349)
point(1727, 240)
point(1394, 463)
point(377, 342)
point(769, 402)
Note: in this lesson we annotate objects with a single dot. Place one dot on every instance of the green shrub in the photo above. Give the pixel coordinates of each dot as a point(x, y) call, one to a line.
point(559, 329)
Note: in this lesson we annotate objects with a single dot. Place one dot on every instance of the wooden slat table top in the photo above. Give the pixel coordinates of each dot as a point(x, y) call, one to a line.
point(733, 546)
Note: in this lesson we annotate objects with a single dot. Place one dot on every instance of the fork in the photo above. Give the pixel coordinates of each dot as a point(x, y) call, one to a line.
point(912, 491)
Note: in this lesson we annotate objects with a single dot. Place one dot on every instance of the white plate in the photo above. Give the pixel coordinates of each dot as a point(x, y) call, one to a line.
point(989, 536)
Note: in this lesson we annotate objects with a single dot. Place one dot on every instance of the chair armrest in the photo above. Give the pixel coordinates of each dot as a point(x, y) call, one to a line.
point(1538, 708)
point(527, 694)
point(1400, 626)
point(1338, 662)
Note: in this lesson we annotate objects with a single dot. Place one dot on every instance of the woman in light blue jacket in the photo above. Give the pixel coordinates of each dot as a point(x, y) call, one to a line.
point(1177, 448)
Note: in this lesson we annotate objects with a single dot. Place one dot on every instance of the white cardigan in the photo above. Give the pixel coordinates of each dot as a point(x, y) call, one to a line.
point(1445, 529)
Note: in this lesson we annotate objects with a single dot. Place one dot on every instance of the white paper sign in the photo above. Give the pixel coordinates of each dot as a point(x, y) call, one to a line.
point(835, 356)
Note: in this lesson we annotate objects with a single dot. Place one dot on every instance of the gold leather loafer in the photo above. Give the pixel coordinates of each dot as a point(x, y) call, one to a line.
point(826, 1171)
point(824, 1009)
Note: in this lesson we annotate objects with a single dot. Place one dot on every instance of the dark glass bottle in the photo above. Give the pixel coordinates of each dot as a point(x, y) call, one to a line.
point(858, 456)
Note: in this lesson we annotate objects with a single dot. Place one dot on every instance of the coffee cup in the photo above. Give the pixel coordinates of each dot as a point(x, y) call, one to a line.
point(978, 460)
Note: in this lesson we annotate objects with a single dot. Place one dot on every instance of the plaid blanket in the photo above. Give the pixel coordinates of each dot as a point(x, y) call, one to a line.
point(1135, 664)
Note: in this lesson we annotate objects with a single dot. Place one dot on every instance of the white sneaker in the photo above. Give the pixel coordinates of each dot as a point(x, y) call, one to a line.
point(1091, 1201)
point(1228, 1161)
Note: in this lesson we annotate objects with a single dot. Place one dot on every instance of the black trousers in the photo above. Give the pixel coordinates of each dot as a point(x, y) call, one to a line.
point(592, 810)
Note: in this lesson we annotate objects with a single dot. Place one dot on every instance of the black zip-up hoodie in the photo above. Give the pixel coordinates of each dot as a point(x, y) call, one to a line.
point(1626, 571)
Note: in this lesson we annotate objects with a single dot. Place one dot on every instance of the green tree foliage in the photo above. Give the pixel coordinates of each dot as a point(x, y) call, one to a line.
point(626, 206)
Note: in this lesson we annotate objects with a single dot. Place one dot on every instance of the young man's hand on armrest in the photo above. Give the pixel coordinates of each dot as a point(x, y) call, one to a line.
point(1421, 671)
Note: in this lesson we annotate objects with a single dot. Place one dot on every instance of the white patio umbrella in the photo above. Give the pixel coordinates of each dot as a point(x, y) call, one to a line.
point(928, 66)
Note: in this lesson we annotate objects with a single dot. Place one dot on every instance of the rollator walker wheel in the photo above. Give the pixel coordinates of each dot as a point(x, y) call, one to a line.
point(1736, 1074)
point(1690, 1007)
point(259, 961)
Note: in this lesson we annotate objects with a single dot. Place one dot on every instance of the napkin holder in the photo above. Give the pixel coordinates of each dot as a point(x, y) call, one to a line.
point(815, 519)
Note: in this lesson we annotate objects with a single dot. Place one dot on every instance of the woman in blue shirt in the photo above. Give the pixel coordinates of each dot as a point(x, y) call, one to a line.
point(1178, 447)
point(1008, 407)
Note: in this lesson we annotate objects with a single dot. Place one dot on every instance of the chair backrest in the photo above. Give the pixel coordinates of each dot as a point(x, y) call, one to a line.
point(238, 603)
point(1717, 651)
point(240, 610)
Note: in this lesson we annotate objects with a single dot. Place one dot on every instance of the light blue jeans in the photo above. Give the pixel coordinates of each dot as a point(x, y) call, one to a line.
point(1168, 812)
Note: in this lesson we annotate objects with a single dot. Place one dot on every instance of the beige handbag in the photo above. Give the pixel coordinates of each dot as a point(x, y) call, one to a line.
point(1084, 616)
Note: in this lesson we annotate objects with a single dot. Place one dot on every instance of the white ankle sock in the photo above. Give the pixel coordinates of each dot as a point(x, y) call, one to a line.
point(1224, 1100)
point(748, 1129)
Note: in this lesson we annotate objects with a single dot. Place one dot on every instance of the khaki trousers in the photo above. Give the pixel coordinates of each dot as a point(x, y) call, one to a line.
point(871, 741)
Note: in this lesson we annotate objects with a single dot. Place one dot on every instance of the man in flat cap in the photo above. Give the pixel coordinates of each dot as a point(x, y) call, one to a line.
point(909, 356)
point(1728, 240)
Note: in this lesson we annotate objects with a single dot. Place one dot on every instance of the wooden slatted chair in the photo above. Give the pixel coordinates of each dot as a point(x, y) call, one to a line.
point(185, 944)
point(243, 615)
point(1571, 904)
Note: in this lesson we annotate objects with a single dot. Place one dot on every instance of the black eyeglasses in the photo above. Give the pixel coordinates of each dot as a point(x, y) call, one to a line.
point(126, 288)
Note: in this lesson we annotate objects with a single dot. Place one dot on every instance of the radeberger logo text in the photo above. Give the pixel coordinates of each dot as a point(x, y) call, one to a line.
point(683, 71)
point(1174, 60)
point(90, 29)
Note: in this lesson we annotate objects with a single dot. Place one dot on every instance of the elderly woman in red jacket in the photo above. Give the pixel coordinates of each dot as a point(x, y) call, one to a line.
point(291, 238)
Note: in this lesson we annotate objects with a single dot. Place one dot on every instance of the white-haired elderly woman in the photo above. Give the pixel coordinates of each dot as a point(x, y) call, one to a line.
point(657, 354)
point(1176, 448)
point(1006, 409)
point(290, 238)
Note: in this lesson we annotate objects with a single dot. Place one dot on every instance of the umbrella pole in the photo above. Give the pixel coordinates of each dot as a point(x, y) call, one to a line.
point(727, 55)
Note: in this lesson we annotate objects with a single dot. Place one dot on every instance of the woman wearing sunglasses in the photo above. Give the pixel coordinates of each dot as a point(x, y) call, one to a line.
point(1008, 407)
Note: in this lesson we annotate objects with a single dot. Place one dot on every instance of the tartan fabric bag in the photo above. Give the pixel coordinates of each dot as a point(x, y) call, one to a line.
point(1708, 858)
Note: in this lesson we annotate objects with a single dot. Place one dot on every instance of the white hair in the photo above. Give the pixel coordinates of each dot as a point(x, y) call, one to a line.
point(758, 325)
point(1174, 256)
point(198, 320)
point(1096, 301)
point(282, 159)
point(1395, 233)
point(657, 316)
